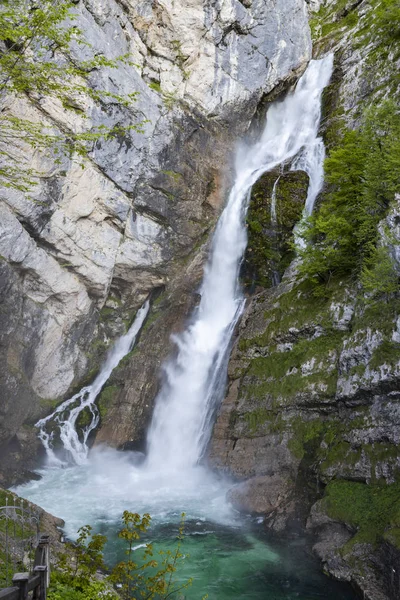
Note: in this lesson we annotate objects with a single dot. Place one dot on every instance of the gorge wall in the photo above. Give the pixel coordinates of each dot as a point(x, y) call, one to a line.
point(311, 418)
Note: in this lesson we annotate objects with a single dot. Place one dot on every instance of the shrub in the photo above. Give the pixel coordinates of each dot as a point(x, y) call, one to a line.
point(363, 175)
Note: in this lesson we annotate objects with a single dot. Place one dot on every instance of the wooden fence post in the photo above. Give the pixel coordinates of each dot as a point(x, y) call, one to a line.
point(42, 571)
point(20, 580)
point(42, 556)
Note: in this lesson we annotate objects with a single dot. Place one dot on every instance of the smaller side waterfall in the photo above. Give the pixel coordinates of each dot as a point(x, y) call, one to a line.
point(274, 223)
point(311, 160)
point(66, 415)
point(273, 203)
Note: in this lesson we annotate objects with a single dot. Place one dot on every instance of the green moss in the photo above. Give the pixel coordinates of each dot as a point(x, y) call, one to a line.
point(84, 418)
point(393, 536)
point(372, 509)
point(151, 318)
point(339, 453)
point(49, 404)
point(331, 20)
point(357, 370)
point(269, 248)
point(305, 436)
point(378, 314)
point(125, 360)
point(280, 375)
point(382, 453)
point(173, 174)
point(257, 418)
point(154, 85)
point(106, 313)
point(388, 353)
point(298, 309)
point(233, 416)
point(106, 398)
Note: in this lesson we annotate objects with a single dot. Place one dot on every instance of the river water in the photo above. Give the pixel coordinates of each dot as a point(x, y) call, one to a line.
point(230, 558)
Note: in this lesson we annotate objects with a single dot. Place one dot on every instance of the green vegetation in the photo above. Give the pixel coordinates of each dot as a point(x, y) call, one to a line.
point(106, 397)
point(256, 418)
point(14, 529)
point(363, 174)
point(332, 20)
point(388, 352)
point(379, 23)
point(173, 174)
point(81, 574)
point(284, 374)
point(154, 85)
point(76, 576)
point(378, 275)
point(37, 61)
point(386, 21)
point(373, 509)
point(305, 434)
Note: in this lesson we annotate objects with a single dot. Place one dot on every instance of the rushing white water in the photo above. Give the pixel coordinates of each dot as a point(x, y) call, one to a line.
point(273, 202)
point(177, 435)
point(311, 160)
point(67, 413)
point(171, 479)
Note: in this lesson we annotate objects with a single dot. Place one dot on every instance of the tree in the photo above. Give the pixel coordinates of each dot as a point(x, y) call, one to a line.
point(37, 61)
point(145, 577)
point(363, 175)
point(379, 275)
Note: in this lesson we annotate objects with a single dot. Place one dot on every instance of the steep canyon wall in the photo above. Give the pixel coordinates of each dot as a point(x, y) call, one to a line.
point(311, 417)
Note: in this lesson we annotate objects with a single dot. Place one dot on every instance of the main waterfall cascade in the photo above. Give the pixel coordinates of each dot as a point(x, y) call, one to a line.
point(177, 435)
point(171, 479)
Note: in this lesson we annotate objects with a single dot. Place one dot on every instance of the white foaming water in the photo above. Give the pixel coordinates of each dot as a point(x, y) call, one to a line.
point(77, 450)
point(170, 479)
point(311, 160)
point(273, 202)
point(178, 435)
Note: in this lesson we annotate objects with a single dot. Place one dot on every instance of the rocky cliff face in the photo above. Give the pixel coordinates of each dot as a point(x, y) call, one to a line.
point(311, 418)
point(82, 251)
point(310, 422)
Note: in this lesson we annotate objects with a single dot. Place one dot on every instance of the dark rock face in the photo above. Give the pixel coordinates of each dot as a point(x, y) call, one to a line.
point(299, 411)
point(313, 381)
point(276, 205)
point(261, 495)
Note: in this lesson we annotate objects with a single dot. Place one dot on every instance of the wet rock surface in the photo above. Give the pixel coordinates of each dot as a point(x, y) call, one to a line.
point(313, 382)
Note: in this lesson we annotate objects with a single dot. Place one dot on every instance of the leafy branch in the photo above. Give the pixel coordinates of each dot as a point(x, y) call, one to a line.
point(145, 578)
point(37, 62)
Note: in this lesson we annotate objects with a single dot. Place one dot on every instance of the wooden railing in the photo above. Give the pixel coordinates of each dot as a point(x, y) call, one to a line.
point(36, 582)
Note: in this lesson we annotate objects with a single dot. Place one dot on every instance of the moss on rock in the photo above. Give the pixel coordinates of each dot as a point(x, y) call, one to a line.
point(374, 510)
point(269, 247)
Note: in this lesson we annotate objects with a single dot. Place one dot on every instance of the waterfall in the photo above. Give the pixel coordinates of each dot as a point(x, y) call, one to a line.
point(171, 480)
point(195, 378)
point(67, 413)
point(274, 222)
point(180, 428)
point(273, 203)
